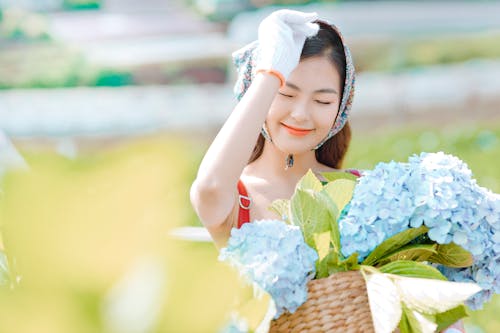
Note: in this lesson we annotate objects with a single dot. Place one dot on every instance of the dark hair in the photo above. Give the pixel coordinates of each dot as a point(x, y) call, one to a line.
point(325, 43)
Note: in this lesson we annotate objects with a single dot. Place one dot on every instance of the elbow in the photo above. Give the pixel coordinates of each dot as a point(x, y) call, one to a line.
point(210, 204)
point(208, 188)
point(200, 190)
point(202, 196)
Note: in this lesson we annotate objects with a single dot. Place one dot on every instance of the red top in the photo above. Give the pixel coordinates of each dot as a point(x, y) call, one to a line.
point(245, 201)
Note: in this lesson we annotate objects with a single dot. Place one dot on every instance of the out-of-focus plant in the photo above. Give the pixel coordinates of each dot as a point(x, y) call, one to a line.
point(20, 25)
point(88, 237)
point(396, 54)
point(53, 66)
point(82, 4)
point(478, 146)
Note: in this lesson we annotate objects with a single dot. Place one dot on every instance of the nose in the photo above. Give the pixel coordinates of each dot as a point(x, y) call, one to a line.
point(299, 111)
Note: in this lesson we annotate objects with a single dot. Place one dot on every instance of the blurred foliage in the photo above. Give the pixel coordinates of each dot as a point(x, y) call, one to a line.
point(225, 10)
point(76, 230)
point(82, 4)
point(21, 26)
point(29, 59)
point(209, 71)
point(90, 223)
point(403, 53)
point(52, 66)
point(478, 146)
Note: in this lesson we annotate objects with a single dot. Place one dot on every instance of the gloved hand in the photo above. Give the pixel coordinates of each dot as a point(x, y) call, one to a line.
point(281, 38)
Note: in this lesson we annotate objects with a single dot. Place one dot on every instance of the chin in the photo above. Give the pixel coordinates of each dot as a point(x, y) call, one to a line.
point(293, 147)
point(291, 144)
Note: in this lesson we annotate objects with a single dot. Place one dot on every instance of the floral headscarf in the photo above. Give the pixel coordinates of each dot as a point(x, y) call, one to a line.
point(245, 61)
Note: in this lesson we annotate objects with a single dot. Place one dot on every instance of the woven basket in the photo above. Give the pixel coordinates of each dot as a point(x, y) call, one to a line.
point(338, 303)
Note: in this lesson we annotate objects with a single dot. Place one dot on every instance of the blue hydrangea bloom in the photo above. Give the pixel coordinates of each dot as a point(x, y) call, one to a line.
point(380, 208)
point(436, 190)
point(273, 255)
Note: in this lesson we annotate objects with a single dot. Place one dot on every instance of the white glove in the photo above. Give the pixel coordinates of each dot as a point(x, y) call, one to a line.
point(281, 39)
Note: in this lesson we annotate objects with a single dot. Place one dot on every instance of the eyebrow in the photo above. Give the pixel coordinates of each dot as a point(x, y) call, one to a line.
point(323, 90)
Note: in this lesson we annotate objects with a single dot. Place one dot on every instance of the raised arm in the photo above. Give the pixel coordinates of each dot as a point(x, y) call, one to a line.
point(213, 193)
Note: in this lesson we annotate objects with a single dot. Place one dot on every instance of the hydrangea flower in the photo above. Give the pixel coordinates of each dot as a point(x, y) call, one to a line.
point(479, 233)
point(380, 208)
point(273, 255)
point(436, 190)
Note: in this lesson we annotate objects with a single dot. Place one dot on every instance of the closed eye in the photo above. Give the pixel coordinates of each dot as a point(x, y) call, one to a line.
point(282, 94)
point(325, 103)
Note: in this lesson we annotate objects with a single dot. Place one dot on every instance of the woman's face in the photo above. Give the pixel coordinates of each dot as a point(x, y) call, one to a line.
point(304, 110)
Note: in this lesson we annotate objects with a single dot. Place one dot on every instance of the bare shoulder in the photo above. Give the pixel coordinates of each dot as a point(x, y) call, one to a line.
point(263, 192)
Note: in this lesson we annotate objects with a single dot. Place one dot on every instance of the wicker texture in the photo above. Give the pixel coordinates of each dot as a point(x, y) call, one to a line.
point(338, 303)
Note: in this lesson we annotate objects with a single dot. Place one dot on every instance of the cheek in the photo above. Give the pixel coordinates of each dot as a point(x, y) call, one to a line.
point(325, 117)
point(277, 110)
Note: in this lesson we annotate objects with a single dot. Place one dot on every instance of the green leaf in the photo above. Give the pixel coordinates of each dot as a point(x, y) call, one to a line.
point(393, 243)
point(348, 264)
point(309, 182)
point(332, 176)
point(322, 241)
point(282, 208)
point(332, 263)
point(414, 252)
point(412, 269)
point(415, 322)
point(323, 266)
point(325, 199)
point(452, 255)
point(404, 323)
point(310, 215)
point(340, 191)
point(445, 319)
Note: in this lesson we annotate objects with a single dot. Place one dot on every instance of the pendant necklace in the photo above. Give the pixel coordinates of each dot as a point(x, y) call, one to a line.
point(289, 161)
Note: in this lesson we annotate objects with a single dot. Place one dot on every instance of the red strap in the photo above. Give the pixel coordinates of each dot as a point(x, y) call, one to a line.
point(354, 172)
point(244, 202)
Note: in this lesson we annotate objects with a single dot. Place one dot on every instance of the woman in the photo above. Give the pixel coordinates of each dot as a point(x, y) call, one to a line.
point(295, 87)
point(294, 105)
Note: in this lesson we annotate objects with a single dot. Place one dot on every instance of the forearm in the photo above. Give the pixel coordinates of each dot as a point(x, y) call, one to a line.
point(228, 154)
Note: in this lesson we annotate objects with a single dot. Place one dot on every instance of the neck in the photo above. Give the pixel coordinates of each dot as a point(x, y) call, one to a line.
point(272, 163)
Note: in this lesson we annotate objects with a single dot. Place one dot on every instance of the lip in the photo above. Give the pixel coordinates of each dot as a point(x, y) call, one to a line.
point(296, 131)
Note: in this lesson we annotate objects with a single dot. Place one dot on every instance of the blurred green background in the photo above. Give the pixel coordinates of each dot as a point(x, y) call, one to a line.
point(111, 104)
point(75, 228)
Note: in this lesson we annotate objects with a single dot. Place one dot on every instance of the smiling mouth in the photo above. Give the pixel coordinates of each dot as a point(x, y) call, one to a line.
point(296, 131)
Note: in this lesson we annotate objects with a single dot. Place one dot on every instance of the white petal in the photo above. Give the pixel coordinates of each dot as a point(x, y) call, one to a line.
point(385, 304)
point(426, 325)
point(433, 296)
